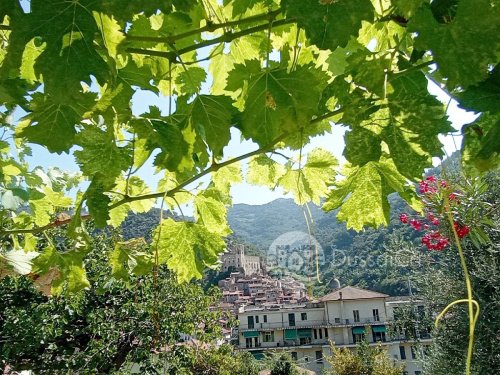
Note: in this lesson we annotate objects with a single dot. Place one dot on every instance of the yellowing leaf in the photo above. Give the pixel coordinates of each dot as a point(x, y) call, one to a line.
point(187, 248)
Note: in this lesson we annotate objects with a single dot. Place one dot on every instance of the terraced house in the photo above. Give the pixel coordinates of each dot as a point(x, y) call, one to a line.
point(344, 317)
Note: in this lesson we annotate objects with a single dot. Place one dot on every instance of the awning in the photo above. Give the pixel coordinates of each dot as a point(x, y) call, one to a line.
point(258, 355)
point(378, 329)
point(290, 334)
point(358, 330)
point(304, 332)
point(251, 334)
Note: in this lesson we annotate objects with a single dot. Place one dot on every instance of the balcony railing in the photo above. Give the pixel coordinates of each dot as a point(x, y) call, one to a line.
point(337, 322)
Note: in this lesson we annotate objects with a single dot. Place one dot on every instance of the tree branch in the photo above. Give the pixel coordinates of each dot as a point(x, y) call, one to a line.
point(54, 224)
point(227, 37)
point(209, 27)
point(170, 193)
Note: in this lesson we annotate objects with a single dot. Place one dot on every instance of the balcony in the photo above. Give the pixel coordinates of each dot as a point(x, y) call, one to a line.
point(313, 324)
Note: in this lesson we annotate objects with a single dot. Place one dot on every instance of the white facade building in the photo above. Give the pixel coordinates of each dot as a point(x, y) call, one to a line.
point(344, 317)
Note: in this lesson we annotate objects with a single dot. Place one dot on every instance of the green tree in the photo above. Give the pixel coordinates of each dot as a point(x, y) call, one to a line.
point(283, 364)
point(363, 360)
point(279, 72)
point(118, 323)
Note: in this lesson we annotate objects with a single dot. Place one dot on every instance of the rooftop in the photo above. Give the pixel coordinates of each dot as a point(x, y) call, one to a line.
point(351, 293)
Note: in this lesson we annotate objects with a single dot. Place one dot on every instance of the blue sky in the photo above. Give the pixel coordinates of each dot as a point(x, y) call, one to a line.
point(245, 193)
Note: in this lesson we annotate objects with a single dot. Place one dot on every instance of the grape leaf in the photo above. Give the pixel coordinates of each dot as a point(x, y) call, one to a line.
point(100, 155)
point(480, 144)
point(264, 171)
point(71, 276)
point(19, 261)
point(311, 182)
point(330, 24)
point(130, 257)
point(187, 248)
point(53, 124)
point(483, 97)
point(211, 116)
point(212, 214)
point(464, 48)
point(279, 101)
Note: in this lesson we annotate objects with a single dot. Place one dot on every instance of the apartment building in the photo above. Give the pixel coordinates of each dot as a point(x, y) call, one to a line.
point(344, 317)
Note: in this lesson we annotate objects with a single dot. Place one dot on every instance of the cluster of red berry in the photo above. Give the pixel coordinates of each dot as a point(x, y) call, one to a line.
point(432, 189)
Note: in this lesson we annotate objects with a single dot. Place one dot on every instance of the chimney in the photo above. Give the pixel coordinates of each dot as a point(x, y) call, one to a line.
point(340, 295)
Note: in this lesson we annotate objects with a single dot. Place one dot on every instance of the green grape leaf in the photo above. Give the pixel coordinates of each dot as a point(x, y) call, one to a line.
point(43, 205)
point(311, 182)
point(484, 96)
point(278, 101)
point(130, 257)
point(408, 8)
point(52, 124)
point(480, 144)
point(111, 32)
point(264, 171)
point(98, 202)
point(330, 24)
point(100, 155)
point(226, 176)
point(66, 269)
point(135, 187)
point(465, 48)
point(211, 116)
point(212, 213)
point(362, 195)
point(189, 81)
point(220, 66)
point(168, 135)
point(362, 146)
point(187, 248)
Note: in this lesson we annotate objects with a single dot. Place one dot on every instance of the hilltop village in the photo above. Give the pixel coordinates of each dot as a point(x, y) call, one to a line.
point(277, 314)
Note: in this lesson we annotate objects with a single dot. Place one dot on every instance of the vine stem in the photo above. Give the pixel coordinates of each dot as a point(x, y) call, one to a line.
point(170, 193)
point(470, 300)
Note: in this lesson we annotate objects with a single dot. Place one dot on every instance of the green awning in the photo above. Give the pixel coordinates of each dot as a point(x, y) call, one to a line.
point(251, 334)
point(259, 355)
point(290, 334)
point(358, 330)
point(378, 329)
point(304, 332)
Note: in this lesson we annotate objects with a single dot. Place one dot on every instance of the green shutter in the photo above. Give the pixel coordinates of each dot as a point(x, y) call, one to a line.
point(358, 330)
point(305, 332)
point(248, 334)
point(290, 334)
point(378, 329)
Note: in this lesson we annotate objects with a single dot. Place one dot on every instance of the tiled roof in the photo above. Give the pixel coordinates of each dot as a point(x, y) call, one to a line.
point(351, 293)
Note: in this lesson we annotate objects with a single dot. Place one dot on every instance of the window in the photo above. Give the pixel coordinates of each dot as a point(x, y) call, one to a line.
point(265, 318)
point(376, 317)
point(418, 372)
point(250, 322)
point(405, 372)
point(249, 341)
point(303, 316)
point(319, 356)
point(294, 356)
point(379, 336)
point(320, 334)
point(315, 334)
point(402, 352)
point(326, 333)
point(268, 336)
point(358, 337)
point(356, 316)
point(421, 312)
point(256, 318)
point(291, 319)
point(304, 340)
